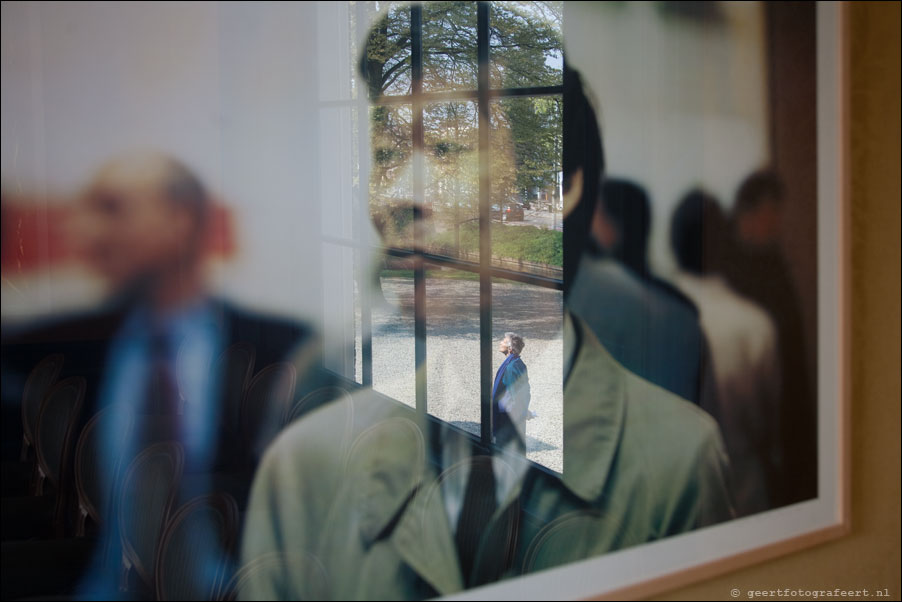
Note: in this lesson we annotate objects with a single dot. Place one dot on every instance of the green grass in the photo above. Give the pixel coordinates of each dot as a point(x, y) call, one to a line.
point(446, 274)
point(526, 243)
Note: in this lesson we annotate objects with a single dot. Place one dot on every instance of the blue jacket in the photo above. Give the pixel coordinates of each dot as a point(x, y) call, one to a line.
point(510, 392)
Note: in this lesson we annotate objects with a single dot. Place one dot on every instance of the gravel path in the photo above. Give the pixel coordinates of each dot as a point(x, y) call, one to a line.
point(452, 343)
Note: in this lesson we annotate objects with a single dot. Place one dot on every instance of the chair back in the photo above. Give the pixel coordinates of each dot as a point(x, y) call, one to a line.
point(258, 578)
point(55, 431)
point(145, 502)
point(39, 381)
point(315, 399)
point(265, 406)
point(96, 469)
point(196, 549)
point(234, 368)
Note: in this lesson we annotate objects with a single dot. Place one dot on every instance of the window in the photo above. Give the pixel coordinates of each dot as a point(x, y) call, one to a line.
point(461, 113)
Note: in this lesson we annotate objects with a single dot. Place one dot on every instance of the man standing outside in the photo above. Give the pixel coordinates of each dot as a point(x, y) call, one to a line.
point(510, 395)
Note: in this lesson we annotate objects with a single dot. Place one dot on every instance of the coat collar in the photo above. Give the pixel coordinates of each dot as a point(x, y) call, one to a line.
point(423, 538)
point(511, 358)
point(398, 497)
point(594, 410)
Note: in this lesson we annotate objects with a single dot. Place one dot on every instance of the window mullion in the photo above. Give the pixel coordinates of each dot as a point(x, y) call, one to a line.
point(419, 272)
point(485, 233)
point(362, 226)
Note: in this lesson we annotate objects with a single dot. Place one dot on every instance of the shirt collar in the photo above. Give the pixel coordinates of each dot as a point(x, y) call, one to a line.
point(141, 320)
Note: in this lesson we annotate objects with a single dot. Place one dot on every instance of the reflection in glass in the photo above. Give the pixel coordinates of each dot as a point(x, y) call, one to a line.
point(391, 181)
point(452, 179)
point(341, 319)
point(526, 144)
point(525, 44)
point(336, 169)
point(393, 333)
point(452, 340)
point(387, 62)
point(449, 46)
point(536, 314)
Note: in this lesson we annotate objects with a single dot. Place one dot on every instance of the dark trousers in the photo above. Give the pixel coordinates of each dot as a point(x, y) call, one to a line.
point(507, 431)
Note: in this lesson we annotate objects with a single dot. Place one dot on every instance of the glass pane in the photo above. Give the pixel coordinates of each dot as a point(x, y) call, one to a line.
point(526, 146)
point(340, 315)
point(334, 69)
point(452, 179)
point(393, 334)
point(449, 46)
point(387, 61)
point(525, 44)
point(452, 347)
point(338, 171)
point(391, 182)
point(536, 315)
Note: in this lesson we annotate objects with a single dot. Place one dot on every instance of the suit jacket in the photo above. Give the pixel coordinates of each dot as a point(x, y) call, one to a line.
point(650, 331)
point(511, 392)
point(85, 341)
point(347, 503)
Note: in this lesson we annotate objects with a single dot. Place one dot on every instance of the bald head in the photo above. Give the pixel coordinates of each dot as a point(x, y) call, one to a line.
point(144, 218)
point(153, 173)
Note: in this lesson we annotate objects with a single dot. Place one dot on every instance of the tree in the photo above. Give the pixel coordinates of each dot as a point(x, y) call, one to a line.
point(525, 51)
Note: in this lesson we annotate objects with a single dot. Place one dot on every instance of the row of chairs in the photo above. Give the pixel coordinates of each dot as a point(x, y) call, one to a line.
point(193, 557)
point(154, 545)
point(168, 553)
point(255, 407)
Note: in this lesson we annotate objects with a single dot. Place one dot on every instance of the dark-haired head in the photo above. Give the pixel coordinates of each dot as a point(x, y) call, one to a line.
point(627, 209)
point(583, 166)
point(759, 187)
point(757, 213)
point(698, 234)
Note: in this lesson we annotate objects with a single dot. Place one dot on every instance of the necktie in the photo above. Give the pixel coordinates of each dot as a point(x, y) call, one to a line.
point(476, 512)
point(162, 396)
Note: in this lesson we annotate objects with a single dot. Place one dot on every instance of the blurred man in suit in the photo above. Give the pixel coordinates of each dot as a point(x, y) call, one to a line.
point(152, 343)
point(156, 348)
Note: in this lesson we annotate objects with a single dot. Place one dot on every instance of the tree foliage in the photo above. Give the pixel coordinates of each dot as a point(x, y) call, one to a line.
point(525, 137)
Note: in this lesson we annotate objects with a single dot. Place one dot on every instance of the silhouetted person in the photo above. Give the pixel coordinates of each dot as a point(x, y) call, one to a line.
point(622, 223)
point(744, 351)
point(621, 227)
point(646, 324)
point(758, 270)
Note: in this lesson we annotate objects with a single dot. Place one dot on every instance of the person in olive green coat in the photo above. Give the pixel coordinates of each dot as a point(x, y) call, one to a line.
point(348, 502)
point(365, 498)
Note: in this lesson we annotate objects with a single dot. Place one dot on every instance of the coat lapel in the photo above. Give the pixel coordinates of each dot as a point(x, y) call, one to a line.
point(594, 410)
point(397, 497)
point(423, 538)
